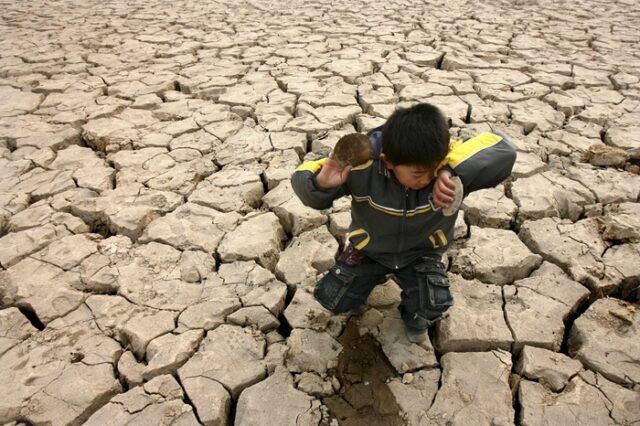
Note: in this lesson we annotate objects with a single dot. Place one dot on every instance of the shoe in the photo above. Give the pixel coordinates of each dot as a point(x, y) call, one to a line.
point(417, 336)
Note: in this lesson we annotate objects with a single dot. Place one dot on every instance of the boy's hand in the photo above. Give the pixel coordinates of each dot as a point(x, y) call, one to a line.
point(443, 190)
point(331, 175)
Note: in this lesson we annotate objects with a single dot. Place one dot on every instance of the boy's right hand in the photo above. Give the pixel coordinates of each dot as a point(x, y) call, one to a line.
point(331, 175)
point(444, 190)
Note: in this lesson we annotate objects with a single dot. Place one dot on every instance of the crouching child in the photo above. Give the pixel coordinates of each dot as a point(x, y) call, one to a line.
point(401, 202)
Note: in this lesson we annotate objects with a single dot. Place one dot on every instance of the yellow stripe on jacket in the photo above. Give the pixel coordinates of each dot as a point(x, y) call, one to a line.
point(313, 165)
point(460, 151)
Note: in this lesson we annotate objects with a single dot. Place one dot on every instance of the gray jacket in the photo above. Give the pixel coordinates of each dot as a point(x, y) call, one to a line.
point(395, 225)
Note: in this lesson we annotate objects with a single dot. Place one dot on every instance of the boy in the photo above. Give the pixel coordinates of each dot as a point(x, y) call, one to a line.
point(397, 225)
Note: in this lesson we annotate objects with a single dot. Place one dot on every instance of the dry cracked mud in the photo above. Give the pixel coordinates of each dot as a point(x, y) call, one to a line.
point(156, 268)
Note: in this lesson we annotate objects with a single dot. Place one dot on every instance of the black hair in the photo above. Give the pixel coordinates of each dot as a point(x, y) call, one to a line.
point(418, 135)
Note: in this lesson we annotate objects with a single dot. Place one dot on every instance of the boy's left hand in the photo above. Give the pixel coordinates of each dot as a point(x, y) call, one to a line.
point(443, 190)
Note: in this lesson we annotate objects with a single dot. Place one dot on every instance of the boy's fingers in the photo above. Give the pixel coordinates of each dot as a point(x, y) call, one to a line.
point(345, 173)
point(445, 201)
point(445, 189)
point(441, 201)
point(447, 182)
point(445, 175)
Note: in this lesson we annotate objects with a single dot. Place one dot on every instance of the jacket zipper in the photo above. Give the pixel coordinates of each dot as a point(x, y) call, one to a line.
point(403, 223)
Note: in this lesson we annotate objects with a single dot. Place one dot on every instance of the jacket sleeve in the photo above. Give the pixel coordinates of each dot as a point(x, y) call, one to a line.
point(304, 185)
point(482, 161)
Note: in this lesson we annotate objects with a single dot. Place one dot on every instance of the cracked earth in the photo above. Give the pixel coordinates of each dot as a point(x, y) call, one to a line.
point(156, 267)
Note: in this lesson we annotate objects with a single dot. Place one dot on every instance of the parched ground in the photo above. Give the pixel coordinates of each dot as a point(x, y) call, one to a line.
point(156, 267)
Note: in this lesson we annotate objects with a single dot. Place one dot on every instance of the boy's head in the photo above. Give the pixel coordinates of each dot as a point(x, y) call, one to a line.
point(414, 141)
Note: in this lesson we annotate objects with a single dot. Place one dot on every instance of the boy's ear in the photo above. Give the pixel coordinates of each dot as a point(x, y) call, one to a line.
point(388, 164)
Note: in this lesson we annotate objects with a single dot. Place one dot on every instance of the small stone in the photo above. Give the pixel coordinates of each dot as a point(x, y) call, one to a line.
point(274, 337)
point(626, 138)
point(314, 385)
point(407, 378)
point(607, 156)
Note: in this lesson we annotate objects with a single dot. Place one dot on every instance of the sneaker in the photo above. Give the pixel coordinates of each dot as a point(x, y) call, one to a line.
point(417, 336)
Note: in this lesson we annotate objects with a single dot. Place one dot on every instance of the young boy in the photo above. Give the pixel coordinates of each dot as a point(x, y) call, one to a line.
point(397, 225)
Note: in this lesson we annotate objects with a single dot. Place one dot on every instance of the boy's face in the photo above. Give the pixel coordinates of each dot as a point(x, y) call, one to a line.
point(410, 175)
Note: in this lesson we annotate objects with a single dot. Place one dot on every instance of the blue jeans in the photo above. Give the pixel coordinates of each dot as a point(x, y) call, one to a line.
point(425, 287)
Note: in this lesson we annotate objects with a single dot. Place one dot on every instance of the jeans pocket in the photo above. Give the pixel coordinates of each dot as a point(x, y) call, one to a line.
point(440, 298)
point(435, 294)
point(330, 290)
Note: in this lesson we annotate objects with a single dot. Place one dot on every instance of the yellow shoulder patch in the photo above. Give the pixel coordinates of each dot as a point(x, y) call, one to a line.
point(312, 166)
point(459, 151)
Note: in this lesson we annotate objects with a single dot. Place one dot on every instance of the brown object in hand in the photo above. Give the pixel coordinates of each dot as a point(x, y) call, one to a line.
point(352, 149)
